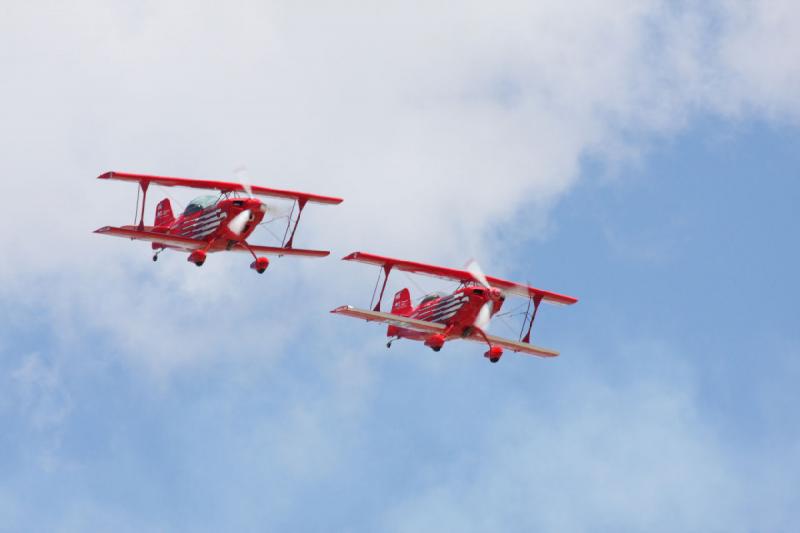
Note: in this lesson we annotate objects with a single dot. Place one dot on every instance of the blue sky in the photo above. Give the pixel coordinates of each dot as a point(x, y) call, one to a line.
point(657, 185)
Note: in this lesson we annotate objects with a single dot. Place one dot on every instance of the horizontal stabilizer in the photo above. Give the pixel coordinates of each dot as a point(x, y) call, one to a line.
point(170, 241)
point(390, 318)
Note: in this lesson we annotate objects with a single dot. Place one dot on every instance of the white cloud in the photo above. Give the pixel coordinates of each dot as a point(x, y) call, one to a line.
point(761, 54)
point(43, 397)
point(438, 125)
point(413, 112)
point(602, 456)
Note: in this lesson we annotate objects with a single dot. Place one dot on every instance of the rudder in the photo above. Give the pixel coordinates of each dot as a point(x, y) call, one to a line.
point(400, 306)
point(164, 216)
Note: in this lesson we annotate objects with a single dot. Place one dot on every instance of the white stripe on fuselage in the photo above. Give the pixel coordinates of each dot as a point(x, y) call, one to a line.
point(202, 219)
point(442, 310)
point(203, 225)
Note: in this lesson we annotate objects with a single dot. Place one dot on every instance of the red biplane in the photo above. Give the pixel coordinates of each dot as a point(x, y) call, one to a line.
point(215, 223)
point(463, 314)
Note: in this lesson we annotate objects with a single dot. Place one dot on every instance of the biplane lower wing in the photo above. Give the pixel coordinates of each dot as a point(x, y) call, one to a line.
point(390, 318)
point(187, 244)
point(278, 250)
point(170, 241)
point(515, 346)
point(424, 326)
point(462, 276)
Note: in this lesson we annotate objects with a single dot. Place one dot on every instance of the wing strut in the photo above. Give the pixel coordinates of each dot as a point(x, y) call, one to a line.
point(301, 203)
point(386, 269)
point(144, 184)
point(536, 301)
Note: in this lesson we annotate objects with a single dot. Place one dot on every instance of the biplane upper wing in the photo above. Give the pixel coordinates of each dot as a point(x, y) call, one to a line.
point(223, 186)
point(278, 250)
point(515, 346)
point(172, 241)
point(389, 318)
point(462, 276)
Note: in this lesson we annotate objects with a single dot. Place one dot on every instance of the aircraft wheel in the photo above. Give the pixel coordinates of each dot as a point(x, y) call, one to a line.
point(261, 270)
point(155, 258)
point(437, 348)
point(199, 263)
point(494, 359)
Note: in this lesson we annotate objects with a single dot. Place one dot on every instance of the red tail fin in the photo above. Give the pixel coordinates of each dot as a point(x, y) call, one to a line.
point(164, 216)
point(400, 306)
point(402, 303)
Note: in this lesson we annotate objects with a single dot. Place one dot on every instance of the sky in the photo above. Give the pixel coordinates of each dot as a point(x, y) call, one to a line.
point(639, 155)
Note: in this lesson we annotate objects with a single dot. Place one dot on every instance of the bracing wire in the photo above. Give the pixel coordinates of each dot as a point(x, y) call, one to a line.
point(265, 225)
point(274, 235)
point(417, 286)
point(136, 213)
point(289, 223)
point(505, 323)
point(527, 310)
point(375, 290)
point(517, 310)
point(181, 205)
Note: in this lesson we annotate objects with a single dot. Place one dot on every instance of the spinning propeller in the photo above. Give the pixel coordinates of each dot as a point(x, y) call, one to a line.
point(238, 223)
point(485, 314)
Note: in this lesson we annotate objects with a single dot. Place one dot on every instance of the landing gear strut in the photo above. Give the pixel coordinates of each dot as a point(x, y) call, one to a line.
point(495, 352)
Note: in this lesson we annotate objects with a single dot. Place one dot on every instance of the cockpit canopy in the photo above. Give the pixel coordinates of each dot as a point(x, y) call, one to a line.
point(199, 203)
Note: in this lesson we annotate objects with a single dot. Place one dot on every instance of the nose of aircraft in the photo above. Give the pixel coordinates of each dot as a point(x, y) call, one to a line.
point(254, 204)
point(258, 205)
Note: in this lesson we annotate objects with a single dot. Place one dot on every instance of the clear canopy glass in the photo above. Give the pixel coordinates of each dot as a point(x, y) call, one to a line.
point(199, 203)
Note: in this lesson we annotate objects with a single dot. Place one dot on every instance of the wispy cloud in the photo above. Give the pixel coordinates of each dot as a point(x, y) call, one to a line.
point(438, 126)
point(43, 397)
